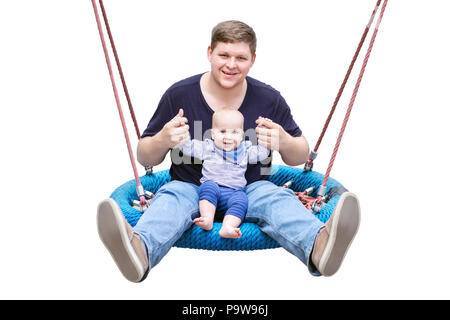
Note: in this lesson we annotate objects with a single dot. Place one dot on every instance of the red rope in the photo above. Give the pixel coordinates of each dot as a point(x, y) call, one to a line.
point(116, 96)
point(344, 82)
point(352, 100)
point(122, 78)
point(307, 201)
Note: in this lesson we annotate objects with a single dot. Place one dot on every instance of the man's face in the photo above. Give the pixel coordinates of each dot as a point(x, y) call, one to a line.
point(230, 63)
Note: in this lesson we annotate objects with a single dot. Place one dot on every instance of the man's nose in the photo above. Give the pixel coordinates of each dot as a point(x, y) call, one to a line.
point(231, 63)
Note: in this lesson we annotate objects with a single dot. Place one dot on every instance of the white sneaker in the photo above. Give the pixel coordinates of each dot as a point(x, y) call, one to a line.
point(122, 241)
point(335, 237)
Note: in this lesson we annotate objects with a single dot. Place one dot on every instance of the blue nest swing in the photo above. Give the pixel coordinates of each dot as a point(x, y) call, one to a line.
point(252, 238)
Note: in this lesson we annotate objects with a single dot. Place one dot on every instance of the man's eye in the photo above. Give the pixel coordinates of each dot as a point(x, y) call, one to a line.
point(223, 55)
point(242, 58)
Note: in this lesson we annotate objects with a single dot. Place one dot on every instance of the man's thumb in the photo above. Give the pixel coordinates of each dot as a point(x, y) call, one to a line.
point(177, 119)
point(263, 122)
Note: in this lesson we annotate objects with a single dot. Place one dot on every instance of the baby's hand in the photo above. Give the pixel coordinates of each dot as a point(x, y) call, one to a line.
point(176, 131)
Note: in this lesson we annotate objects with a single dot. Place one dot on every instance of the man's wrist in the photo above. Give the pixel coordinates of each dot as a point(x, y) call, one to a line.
point(285, 142)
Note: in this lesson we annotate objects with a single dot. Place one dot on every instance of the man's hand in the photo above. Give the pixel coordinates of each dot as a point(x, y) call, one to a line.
point(270, 134)
point(152, 150)
point(176, 131)
point(293, 150)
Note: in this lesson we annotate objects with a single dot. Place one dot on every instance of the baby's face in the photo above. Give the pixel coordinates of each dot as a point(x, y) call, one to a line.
point(227, 132)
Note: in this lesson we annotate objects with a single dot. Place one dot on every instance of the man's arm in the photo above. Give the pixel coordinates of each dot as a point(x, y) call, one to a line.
point(294, 150)
point(152, 150)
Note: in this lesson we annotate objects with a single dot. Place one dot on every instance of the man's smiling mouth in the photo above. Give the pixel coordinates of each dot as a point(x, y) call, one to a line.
point(229, 73)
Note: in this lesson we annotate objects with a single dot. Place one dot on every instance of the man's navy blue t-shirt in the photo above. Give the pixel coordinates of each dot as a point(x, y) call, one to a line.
point(260, 100)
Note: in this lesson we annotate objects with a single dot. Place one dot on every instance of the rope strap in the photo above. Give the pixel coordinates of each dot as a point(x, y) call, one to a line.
point(349, 110)
point(119, 67)
point(119, 107)
point(313, 154)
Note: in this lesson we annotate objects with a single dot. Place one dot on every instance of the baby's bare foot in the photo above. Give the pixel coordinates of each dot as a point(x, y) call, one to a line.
point(230, 232)
point(204, 223)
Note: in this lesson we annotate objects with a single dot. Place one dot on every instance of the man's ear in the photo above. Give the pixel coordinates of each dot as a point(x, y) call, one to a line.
point(253, 58)
point(209, 53)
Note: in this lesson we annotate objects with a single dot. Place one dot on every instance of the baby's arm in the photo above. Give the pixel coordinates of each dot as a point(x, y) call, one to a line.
point(256, 153)
point(194, 148)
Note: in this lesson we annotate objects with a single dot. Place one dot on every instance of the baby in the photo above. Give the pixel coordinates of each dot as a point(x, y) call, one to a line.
point(225, 157)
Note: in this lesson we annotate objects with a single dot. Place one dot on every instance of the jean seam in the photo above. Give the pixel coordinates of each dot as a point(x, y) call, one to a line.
point(176, 233)
point(282, 234)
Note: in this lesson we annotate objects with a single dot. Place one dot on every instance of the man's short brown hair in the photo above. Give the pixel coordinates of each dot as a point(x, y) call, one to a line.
point(233, 31)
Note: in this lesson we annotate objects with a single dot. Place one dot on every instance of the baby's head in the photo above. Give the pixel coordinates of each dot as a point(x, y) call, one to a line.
point(227, 128)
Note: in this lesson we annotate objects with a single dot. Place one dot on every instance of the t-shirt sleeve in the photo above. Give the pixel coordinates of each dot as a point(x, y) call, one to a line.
point(163, 114)
point(282, 115)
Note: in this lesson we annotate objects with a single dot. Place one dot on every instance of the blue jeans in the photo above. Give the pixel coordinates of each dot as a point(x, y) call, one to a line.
point(277, 212)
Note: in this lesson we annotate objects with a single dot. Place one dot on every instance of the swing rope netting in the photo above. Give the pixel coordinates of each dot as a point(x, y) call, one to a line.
point(319, 198)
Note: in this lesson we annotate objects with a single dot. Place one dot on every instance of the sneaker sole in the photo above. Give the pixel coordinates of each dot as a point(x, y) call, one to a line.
point(113, 233)
point(343, 230)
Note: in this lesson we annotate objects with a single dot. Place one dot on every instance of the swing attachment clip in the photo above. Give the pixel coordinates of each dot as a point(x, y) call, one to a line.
point(320, 200)
point(288, 184)
point(149, 170)
point(148, 198)
point(309, 164)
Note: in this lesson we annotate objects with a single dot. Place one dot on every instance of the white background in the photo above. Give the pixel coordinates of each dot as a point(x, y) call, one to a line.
point(63, 149)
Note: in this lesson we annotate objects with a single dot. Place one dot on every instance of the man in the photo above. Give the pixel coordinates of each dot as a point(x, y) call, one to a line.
point(278, 213)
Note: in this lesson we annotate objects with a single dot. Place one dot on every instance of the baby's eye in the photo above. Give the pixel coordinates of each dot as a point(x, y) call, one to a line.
point(235, 132)
point(223, 131)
